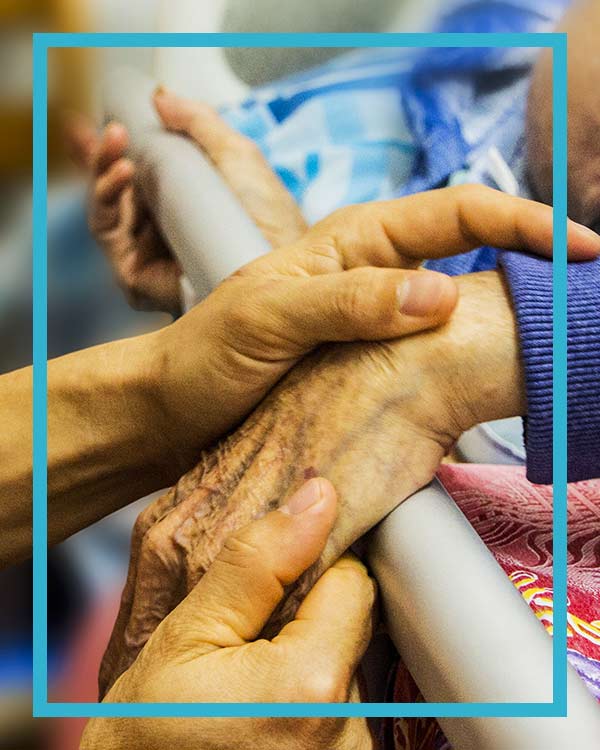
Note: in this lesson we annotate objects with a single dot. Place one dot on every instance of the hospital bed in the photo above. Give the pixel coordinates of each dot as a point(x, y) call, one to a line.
point(458, 623)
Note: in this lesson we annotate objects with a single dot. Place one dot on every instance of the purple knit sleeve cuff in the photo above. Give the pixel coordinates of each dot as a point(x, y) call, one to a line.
point(530, 280)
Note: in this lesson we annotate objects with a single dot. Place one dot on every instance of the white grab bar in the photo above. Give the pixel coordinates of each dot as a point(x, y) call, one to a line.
point(464, 631)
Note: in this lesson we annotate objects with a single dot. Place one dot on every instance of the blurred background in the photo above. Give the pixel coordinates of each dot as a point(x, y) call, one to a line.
point(85, 307)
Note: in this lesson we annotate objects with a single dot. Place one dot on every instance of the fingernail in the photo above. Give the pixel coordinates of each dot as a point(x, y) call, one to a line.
point(420, 294)
point(308, 495)
point(586, 234)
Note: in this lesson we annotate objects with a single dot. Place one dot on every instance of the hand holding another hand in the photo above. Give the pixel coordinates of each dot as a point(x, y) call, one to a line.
point(350, 277)
point(206, 649)
point(375, 418)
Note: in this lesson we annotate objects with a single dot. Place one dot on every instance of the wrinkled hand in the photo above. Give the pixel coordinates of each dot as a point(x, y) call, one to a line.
point(121, 221)
point(340, 282)
point(206, 649)
point(123, 225)
point(374, 418)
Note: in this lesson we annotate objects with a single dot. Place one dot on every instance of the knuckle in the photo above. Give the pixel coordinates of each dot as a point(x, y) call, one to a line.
point(354, 574)
point(324, 686)
point(135, 296)
point(471, 195)
point(240, 551)
point(98, 190)
point(157, 548)
point(142, 523)
point(469, 198)
point(321, 255)
point(135, 300)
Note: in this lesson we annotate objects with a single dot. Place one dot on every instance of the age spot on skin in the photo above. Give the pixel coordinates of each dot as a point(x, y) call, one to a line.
point(310, 473)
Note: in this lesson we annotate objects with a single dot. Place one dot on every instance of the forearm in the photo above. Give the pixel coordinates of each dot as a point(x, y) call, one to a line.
point(105, 446)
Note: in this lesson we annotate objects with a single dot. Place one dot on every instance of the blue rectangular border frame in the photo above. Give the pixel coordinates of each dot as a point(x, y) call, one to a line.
point(41, 706)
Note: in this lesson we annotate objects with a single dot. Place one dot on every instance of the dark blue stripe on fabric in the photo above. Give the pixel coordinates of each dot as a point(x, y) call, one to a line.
point(283, 107)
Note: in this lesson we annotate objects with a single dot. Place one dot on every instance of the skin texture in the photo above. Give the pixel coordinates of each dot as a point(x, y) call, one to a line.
point(157, 401)
point(582, 23)
point(129, 417)
point(355, 413)
point(176, 540)
point(207, 648)
point(123, 224)
point(350, 413)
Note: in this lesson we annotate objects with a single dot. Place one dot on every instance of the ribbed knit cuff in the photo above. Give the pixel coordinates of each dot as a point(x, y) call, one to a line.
point(530, 279)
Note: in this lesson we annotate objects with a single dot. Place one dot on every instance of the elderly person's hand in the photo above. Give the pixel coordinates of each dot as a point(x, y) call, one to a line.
point(338, 283)
point(121, 221)
point(207, 650)
point(379, 416)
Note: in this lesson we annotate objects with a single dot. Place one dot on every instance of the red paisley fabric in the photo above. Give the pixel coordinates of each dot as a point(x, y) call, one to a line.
point(514, 519)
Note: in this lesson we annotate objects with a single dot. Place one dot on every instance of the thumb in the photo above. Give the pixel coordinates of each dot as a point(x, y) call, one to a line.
point(331, 631)
point(240, 590)
point(364, 303)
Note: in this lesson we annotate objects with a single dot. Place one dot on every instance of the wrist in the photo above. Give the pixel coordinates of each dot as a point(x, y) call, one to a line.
point(186, 395)
point(104, 441)
point(138, 379)
point(168, 403)
point(477, 354)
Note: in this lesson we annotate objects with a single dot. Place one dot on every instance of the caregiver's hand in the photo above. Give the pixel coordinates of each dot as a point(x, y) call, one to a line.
point(206, 649)
point(340, 282)
point(383, 414)
point(129, 417)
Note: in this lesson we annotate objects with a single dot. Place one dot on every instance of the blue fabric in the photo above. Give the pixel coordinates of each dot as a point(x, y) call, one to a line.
point(378, 124)
point(336, 135)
